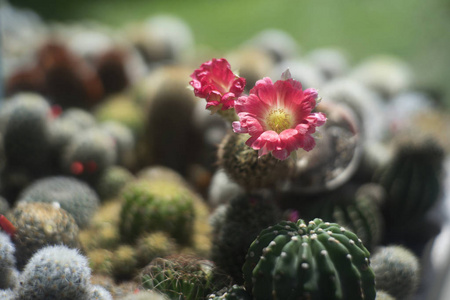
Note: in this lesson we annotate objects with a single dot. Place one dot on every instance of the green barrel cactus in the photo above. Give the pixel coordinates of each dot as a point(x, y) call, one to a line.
point(412, 180)
point(153, 245)
point(315, 260)
point(124, 263)
point(242, 164)
point(397, 271)
point(157, 205)
point(353, 207)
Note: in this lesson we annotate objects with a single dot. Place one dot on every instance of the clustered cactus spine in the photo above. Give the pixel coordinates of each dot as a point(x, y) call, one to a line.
point(8, 274)
point(55, 272)
point(318, 260)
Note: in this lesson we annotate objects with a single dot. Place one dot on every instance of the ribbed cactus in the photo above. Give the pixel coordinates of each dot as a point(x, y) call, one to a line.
point(39, 225)
point(412, 180)
point(55, 272)
point(157, 205)
point(242, 164)
point(74, 196)
point(245, 216)
point(353, 207)
point(315, 260)
point(397, 271)
point(235, 292)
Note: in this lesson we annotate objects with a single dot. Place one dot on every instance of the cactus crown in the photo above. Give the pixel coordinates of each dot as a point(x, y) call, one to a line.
point(318, 260)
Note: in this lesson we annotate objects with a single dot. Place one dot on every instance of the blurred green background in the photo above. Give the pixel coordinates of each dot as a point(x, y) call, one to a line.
point(416, 30)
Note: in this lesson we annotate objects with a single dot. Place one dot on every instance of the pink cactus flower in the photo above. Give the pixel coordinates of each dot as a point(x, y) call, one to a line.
point(215, 82)
point(278, 117)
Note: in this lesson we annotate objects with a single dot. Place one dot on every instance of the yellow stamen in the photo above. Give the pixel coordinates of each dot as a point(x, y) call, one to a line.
point(278, 120)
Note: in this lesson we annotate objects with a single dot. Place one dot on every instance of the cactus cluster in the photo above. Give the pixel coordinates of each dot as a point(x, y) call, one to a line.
point(315, 260)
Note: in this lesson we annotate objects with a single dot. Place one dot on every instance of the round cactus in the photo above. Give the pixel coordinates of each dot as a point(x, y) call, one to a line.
point(245, 217)
point(318, 260)
point(181, 277)
point(100, 293)
point(74, 196)
point(24, 122)
point(88, 154)
point(38, 225)
point(111, 182)
point(55, 272)
point(124, 263)
point(412, 180)
point(8, 275)
point(153, 245)
point(157, 205)
point(397, 271)
point(124, 141)
point(242, 164)
point(236, 292)
point(100, 261)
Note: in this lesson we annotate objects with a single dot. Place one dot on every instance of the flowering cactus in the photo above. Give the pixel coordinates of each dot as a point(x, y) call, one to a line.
point(215, 82)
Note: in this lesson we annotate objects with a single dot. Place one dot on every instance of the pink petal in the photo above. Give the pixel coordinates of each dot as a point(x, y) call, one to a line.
point(265, 91)
point(281, 154)
point(238, 129)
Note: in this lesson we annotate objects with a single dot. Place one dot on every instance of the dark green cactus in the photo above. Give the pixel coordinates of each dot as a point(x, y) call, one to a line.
point(318, 260)
point(242, 164)
point(412, 180)
point(353, 207)
point(157, 205)
point(245, 216)
point(112, 181)
point(397, 271)
point(235, 292)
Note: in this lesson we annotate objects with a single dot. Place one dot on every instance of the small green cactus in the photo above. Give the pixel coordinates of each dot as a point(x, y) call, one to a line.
point(412, 180)
point(181, 277)
point(242, 164)
point(157, 205)
point(318, 260)
point(39, 225)
point(245, 216)
point(112, 181)
point(153, 245)
point(397, 271)
point(124, 263)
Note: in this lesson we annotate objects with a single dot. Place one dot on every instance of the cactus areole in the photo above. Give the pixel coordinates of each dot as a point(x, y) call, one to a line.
point(308, 261)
